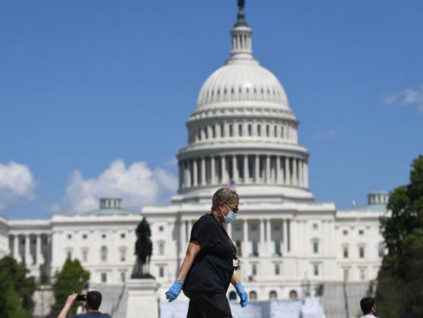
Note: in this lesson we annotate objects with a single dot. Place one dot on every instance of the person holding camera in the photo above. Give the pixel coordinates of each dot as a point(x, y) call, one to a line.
point(92, 302)
point(210, 262)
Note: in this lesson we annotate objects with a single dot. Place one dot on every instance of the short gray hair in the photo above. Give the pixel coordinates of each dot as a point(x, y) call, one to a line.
point(225, 195)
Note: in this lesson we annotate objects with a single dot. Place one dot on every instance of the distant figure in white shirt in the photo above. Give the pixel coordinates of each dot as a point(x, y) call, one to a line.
point(368, 307)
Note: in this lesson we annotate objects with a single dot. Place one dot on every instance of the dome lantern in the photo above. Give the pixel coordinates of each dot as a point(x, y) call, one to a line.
point(241, 37)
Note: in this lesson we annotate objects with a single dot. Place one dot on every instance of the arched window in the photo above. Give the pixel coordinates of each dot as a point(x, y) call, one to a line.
point(293, 294)
point(273, 295)
point(232, 295)
point(103, 253)
point(253, 295)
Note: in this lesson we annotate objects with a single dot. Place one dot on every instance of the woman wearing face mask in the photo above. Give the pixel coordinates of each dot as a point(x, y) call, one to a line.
point(210, 262)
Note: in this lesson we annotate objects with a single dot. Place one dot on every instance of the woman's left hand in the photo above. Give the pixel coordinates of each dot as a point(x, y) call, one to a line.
point(242, 294)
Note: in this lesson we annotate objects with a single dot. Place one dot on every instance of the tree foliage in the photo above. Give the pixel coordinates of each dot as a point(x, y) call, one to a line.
point(401, 276)
point(73, 278)
point(16, 289)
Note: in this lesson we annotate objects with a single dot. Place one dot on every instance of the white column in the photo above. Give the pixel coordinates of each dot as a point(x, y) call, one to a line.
point(246, 170)
point(268, 237)
point(39, 257)
point(194, 168)
point(213, 170)
point(245, 247)
point(224, 172)
point(262, 242)
point(278, 170)
point(306, 174)
point(257, 169)
point(229, 229)
point(16, 253)
point(182, 242)
point(235, 169)
point(285, 237)
point(189, 171)
point(27, 256)
point(203, 171)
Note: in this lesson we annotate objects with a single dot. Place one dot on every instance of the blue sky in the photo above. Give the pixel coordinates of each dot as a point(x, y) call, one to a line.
point(94, 94)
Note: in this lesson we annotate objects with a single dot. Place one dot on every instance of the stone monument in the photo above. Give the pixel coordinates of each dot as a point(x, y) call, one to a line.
point(142, 287)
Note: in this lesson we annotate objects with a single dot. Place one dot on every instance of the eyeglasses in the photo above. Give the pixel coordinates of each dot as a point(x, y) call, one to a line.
point(234, 210)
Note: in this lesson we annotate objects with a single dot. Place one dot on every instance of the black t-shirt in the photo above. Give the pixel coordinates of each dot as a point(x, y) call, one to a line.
point(212, 268)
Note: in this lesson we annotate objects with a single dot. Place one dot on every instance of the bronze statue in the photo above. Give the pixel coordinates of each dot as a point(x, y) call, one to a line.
point(143, 250)
point(241, 3)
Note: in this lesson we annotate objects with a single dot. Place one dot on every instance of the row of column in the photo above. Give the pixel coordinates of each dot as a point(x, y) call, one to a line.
point(243, 169)
point(28, 257)
point(265, 243)
point(241, 41)
point(243, 129)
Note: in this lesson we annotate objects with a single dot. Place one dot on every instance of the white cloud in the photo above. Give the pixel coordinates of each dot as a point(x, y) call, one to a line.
point(16, 184)
point(136, 184)
point(324, 135)
point(407, 96)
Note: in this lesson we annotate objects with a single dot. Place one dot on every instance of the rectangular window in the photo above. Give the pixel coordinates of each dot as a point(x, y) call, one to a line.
point(316, 269)
point(254, 269)
point(277, 269)
point(345, 252)
point(122, 255)
point(161, 248)
point(104, 277)
point(161, 271)
point(361, 252)
point(315, 247)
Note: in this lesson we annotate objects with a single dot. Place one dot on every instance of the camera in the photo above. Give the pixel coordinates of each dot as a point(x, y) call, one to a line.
point(81, 298)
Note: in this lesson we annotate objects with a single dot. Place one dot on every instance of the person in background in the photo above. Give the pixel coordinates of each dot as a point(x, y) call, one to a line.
point(368, 307)
point(92, 302)
point(210, 262)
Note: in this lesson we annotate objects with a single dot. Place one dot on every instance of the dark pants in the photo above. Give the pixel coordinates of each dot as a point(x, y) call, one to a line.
point(208, 305)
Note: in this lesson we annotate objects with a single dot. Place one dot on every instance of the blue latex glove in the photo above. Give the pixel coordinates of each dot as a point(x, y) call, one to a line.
point(174, 291)
point(242, 295)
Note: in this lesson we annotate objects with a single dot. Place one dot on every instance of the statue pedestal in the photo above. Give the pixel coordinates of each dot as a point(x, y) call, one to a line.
point(143, 300)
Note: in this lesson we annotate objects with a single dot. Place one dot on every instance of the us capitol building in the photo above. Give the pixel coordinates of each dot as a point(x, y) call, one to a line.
point(242, 134)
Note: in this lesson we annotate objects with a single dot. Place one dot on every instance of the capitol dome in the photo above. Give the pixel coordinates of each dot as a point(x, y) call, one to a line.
point(240, 81)
point(243, 133)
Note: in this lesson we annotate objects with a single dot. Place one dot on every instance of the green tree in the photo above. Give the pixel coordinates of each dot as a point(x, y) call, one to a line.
point(73, 278)
point(16, 289)
point(400, 278)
